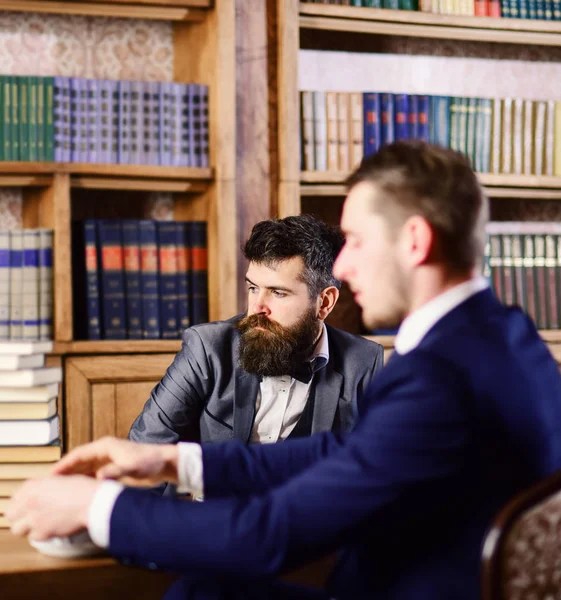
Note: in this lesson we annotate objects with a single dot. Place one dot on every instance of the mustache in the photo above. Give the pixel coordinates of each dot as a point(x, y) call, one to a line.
point(250, 322)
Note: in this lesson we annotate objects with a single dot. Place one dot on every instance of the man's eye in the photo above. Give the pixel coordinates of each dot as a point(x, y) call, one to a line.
point(279, 294)
point(252, 289)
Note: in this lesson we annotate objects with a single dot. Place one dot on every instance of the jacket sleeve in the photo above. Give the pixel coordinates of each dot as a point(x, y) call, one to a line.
point(408, 452)
point(173, 410)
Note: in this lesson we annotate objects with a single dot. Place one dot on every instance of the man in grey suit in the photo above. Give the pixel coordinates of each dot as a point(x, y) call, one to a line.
point(278, 371)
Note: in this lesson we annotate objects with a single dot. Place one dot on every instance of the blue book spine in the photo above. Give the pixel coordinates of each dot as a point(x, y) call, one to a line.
point(30, 283)
point(131, 251)
point(165, 128)
point(401, 116)
point(192, 122)
point(5, 285)
point(16, 284)
point(443, 120)
point(149, 279)
point(423, 118)
point(388, 118)
point(167, 255)
point(62, 119)
point(199, 273)
point(183, 244)
point(93, 307)
point(372, 122)
point(75, 116)
point(112, 279)
point(413, 116)
point(83, 121)
point(205, 133)
point(103, 122)
point(124, 130)
point(153, 150)
point(45, 284)
point(113, 87)
point(179, 137)
point(93, 132)
point(136, 123)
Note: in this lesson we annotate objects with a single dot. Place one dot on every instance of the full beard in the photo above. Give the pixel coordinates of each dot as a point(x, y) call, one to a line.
point(277, 350)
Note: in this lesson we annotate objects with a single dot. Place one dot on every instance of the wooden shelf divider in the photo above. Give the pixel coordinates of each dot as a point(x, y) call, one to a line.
point(427, 25)
point(116, 347)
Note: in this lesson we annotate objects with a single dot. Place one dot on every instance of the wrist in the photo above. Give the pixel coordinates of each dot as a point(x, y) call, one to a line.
point(171, 459)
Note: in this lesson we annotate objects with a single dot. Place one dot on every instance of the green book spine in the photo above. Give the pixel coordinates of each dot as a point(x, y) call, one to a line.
point(48, 118)
point(32, 117)
point(455, 108)
point(471, 125)
point(14, 85)
point(23, 97)
point(41, 119)
point(462, 125)
point(7, 118)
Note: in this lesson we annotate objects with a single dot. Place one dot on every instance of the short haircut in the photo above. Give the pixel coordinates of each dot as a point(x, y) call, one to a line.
point(317, 243)
point(417, 178)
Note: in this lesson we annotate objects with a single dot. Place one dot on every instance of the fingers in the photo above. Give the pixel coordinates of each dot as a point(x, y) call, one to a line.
point(87, 459)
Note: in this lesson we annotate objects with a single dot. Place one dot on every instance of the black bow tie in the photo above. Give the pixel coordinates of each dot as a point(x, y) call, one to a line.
point(303, 372)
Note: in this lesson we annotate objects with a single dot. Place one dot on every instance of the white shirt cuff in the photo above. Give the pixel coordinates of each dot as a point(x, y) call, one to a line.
point(100, 511)
point(190, 468)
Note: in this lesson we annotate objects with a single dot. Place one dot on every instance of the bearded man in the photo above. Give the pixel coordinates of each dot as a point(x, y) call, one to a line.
point(278, 371)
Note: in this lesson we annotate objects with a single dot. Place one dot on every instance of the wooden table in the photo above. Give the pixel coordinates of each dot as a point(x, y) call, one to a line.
point(27, 574)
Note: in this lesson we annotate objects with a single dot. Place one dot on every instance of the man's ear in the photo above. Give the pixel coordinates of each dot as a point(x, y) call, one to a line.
point(418, 238)
point(327, 301)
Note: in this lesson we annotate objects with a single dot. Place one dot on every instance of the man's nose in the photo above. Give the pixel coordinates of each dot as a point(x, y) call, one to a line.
point(260, 305)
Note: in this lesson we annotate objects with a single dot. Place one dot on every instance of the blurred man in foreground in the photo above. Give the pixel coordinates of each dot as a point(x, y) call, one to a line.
point(465, 414)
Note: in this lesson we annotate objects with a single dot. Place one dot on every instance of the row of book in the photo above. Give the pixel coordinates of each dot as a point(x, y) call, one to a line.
point(141, 279)
point(525, 268)
point(29, 422)
point(549, 10)
point(70, 119)
point(499, 135)
point(26, 284)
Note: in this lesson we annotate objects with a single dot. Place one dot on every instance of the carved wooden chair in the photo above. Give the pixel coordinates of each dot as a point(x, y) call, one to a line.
point(522, 550)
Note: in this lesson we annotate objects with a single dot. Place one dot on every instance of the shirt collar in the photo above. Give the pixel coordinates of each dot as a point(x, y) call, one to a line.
point(418, 323)
point(320, 355)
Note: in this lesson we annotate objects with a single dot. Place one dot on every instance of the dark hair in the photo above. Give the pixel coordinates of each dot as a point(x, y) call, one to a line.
point(316, 242)
point(437, 183)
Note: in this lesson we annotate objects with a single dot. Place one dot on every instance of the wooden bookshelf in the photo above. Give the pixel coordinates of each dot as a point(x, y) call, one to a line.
point(55, 194)
point(159, 10)
point(380, 21)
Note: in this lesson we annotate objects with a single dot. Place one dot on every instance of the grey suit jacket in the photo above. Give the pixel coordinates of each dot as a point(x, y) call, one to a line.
point(204, 391)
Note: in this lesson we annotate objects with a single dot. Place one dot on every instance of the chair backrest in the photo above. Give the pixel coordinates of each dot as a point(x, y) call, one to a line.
point(521, 557)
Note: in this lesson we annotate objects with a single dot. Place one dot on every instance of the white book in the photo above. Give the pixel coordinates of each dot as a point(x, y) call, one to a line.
point(12, 362)
point(42, 393)
point(17, 347)
point(29, 433)
point(31, 377)
point(27, 411)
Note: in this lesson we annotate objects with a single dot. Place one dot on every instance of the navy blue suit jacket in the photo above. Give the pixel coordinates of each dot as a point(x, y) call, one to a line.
point(449, 432)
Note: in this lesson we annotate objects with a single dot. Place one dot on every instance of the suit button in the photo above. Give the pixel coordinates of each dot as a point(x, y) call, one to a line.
point(153, 566)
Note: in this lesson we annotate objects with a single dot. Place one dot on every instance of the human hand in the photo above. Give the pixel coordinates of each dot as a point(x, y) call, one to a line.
point(51, 506)
point(129, 462)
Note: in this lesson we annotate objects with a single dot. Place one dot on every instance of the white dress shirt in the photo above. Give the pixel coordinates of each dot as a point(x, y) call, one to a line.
point(279, 404)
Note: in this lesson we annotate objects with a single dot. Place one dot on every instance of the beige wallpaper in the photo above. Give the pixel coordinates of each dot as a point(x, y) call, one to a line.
point(37, 44)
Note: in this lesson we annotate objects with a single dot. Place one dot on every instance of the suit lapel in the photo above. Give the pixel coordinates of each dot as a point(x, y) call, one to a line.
point(245, 394)
point(327, 393)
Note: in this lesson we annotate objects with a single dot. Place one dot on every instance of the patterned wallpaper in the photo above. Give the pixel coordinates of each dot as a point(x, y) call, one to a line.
point(38, 44)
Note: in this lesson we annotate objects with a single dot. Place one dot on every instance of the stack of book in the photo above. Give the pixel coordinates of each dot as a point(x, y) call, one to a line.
point(29, 423)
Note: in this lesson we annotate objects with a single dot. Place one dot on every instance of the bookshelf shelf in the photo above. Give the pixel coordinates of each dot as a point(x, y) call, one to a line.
point(381, 21)
point(110, 170)
point(542, 187)
point(116, 347)
point(139, 9)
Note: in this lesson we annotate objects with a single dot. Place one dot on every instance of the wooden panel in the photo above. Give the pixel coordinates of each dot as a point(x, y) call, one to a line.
point(145, 185)
point(253, 185)
point(289, 135)
point(289, 199)
point(129, 402)
point(116, 347)
point(103, 410)
point(77, 407)
point(104, 9)
point(139, 367)
point(108, 170)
